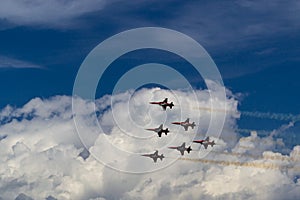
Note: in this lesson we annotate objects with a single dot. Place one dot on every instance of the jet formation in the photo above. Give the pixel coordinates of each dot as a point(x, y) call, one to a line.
point(185, 124)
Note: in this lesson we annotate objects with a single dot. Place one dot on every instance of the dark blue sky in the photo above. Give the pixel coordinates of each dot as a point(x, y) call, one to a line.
point(255, 45)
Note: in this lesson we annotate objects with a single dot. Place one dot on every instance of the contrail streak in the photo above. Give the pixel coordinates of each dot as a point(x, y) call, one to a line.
point(260, 161)
point(261, 132)
point(270, 166)
point(274, 116)
point(256, 114)
point(270, 157)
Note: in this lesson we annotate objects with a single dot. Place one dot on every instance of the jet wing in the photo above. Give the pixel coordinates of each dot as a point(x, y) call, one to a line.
point(166, 100)
point(160, 127)
point(186, 127)
point(159, 133)
point(205, 145)
point(182, 152)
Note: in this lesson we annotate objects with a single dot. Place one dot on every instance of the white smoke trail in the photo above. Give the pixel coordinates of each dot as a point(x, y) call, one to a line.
point(274, 116)
point(257, 114)
point(269, 166)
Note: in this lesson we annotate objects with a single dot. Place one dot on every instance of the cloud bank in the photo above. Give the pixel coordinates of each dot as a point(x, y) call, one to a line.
point(41, 154)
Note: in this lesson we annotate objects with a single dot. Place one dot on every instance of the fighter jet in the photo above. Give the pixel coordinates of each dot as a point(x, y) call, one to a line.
point(159, 130)
point(205, 142)
point(164, 104)
point(154, 156)
point(182, 148)
point(186, 124)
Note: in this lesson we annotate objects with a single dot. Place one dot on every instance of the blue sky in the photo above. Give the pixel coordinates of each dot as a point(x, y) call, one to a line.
point(255, 45)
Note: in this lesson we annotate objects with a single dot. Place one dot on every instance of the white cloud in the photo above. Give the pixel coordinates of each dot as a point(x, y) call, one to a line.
point(56, 13)
point(7, 62)
point(39, 157)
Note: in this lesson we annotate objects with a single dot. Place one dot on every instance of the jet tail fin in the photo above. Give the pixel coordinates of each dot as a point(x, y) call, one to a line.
point(212, 143)
point(161, 156)
point(166, 131)
point(189, 149)
point(193, 125)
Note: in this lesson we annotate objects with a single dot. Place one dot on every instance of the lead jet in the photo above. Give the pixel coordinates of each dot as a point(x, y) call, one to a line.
point(164, 104)
point(154, 156)
point(205, 142)
point(182, 148)
point(186, 124)
point(159, 130)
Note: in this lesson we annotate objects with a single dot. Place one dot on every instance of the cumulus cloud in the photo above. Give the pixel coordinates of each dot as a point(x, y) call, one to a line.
point(56, 14)
point(40, 152)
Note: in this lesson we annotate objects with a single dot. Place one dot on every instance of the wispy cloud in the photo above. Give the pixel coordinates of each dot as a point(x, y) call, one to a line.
point(7, 62)
point(53, 14)
point(231, 22)
point(212, 22)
